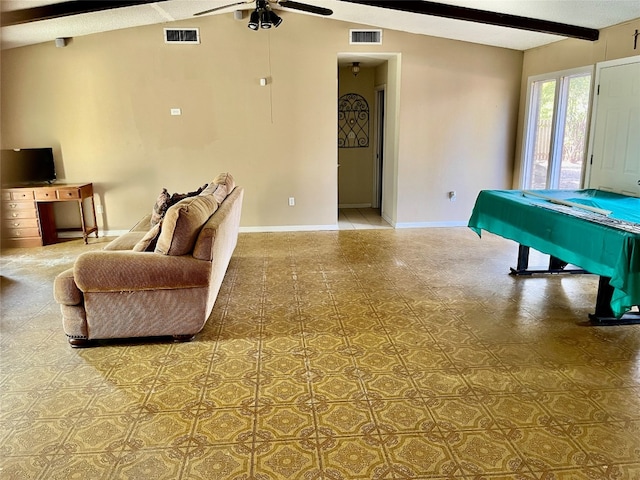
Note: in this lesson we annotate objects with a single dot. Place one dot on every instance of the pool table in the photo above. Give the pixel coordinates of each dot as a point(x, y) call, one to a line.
point(595, 230)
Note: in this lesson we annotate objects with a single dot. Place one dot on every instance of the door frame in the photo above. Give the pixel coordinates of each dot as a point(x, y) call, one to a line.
point(379, 139)
point(594, 109)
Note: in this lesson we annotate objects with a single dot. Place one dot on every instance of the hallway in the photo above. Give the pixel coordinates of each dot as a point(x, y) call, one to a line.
point(360, 219)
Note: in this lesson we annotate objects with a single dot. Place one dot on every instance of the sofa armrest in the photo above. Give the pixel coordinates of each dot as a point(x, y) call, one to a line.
point(65, 290)
point(117, 271)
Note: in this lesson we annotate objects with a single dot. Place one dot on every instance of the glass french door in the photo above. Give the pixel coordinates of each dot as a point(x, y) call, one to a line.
point(556, 130)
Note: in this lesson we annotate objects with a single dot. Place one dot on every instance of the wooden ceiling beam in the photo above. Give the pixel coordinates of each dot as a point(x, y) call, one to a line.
point(64, 9)
point(484, 16)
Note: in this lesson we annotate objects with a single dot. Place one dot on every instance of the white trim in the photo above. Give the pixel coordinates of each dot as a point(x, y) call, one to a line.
point(594, 109)
point(430, 224)
point(354, 205)
point(288, 228)
point(101, 233)
point(377, 170)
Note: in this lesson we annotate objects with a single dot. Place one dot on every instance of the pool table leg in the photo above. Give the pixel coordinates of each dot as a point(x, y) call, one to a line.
point(555, 264)
point(603, 314)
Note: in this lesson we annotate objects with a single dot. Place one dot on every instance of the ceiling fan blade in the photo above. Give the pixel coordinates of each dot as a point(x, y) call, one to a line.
point(484, 16)
point(303, 7)
point(221, 8)
point(65, 9)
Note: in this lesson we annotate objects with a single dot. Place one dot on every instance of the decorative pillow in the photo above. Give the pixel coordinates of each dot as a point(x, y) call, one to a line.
point(148, 242)
point(218, 191)
point(176, 197)
point(225, 179)
point(160, 207)
point(165, 200)
point(182, 224)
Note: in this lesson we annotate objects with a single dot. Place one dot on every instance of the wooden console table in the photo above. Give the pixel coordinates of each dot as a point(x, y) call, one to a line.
point(28, 218)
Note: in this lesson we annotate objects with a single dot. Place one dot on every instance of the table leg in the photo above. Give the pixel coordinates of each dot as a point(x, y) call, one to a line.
point(84, 228)
point(603, 314)
point(555, 265)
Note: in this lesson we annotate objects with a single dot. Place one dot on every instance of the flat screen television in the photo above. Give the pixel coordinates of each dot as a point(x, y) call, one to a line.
point(27, 166)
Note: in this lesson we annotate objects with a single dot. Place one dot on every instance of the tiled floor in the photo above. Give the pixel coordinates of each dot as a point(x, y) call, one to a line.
point(386, 354)
point(360, 219)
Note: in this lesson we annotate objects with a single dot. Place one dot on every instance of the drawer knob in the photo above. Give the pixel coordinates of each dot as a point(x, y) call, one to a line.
point(16, 224)
point(14, 215)
point(13, 205)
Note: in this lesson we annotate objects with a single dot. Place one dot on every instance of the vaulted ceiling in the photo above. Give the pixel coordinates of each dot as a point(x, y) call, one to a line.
point(592, 14)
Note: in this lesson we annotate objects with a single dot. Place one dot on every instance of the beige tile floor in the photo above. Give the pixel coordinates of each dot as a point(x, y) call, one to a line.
point(362, 354)
point(360, 219)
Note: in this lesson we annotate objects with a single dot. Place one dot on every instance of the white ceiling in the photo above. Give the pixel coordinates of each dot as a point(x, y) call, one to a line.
point(585, 13)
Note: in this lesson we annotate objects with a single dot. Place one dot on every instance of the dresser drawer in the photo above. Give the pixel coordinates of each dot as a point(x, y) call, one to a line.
point(23, 213)
point(14, 206)
point(46, 194)
point(20, 223)
point(22, 194)
point(68, 193)
point(21, 232)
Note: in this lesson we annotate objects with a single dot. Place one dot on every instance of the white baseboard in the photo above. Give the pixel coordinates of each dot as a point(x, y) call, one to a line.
point(354, 205)
point(101, 233)
point(430, 224)
point(288, 228)
point(284, 228)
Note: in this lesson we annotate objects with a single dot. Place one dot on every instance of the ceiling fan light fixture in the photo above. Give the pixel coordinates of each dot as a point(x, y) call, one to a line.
point(276, 20)
point(254, 20)
point(265, 20)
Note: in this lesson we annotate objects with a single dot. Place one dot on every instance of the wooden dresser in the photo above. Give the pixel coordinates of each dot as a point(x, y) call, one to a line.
point(28, 218)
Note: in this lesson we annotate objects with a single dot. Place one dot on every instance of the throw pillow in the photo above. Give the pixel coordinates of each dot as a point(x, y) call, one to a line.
point(160, 207)
point(182, 224)
point(218, 191)
point(148, 242)
point(176, 197)
point(226, 179)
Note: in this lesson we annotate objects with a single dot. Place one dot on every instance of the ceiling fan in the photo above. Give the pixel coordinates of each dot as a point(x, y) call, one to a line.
point(264, 17)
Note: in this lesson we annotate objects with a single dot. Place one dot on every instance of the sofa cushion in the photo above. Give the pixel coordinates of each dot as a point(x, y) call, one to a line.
point(148, 242)
point(160, 207)
point(182, 224)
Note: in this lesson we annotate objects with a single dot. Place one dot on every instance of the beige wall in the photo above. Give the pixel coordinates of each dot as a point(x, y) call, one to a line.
point(614, 43)
point(355, 175)
point(103, 103)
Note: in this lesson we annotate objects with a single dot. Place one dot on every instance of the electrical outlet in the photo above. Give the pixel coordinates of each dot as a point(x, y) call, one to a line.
point(99, 210)
point(292, 201)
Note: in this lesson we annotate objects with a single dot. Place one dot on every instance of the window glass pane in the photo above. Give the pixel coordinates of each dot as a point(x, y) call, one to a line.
point(575, 130)
point(544, 95)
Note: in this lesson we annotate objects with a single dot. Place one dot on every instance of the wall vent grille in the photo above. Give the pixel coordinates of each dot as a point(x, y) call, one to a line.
point(368, 37)
point(182, 35)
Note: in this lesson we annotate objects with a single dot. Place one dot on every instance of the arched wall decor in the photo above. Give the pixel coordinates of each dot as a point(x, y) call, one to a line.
point(353, 121)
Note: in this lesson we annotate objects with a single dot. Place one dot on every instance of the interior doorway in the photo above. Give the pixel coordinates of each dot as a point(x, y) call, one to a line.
point(361, 140)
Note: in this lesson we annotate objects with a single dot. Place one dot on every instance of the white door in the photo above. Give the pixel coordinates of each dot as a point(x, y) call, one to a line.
point(615, 159)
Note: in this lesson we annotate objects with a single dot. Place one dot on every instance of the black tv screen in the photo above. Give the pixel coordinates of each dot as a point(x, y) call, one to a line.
point(27, 166)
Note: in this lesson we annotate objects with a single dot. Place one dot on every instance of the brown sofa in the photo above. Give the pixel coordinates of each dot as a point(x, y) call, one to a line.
point(155, 280)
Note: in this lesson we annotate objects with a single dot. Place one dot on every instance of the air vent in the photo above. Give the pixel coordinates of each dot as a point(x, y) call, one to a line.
point(368, 37)
point(182, 35)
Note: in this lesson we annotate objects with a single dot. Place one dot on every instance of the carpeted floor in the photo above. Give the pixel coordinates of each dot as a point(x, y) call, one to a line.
point(363, 354)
